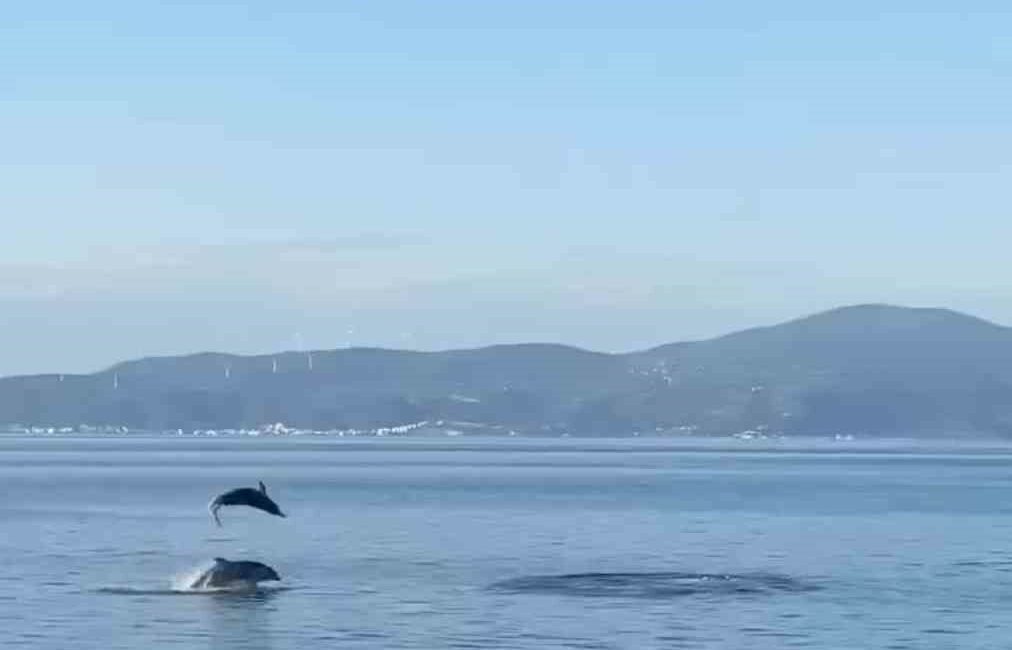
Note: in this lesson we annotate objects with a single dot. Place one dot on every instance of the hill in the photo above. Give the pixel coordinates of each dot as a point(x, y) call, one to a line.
point(873, 370)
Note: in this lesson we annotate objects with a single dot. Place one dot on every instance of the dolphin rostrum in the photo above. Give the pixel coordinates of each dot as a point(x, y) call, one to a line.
point(252, 497)
point(224, 574)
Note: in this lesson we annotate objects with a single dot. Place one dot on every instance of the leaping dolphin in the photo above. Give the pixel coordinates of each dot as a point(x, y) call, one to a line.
point(246, 496)
point(234, 575)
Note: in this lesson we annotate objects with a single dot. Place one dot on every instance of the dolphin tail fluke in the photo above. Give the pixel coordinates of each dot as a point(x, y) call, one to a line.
point(213, 509)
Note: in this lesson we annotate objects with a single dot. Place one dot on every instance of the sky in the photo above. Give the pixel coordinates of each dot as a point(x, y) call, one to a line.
point(255, 176)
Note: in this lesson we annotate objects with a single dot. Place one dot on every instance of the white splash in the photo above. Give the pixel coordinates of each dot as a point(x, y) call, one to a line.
point(185, 581)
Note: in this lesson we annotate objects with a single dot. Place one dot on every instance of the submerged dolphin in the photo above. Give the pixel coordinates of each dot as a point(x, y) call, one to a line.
point(244, 497)
point(231, 575)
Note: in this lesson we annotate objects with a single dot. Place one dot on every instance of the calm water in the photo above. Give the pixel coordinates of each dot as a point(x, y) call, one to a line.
point(507, 544)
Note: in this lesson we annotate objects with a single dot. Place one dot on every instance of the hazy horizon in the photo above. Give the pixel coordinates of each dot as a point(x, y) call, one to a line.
point(297, 345)
point(251, 178)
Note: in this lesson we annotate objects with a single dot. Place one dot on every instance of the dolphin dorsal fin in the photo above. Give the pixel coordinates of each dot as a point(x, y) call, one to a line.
point(263, 488)
point(220, 560)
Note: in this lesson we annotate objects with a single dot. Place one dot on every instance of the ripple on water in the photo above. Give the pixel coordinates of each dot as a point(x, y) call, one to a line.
point(658, 585)
point(259, 593)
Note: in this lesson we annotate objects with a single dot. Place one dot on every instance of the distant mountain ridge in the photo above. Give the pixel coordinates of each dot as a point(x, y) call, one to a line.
point(867, 370)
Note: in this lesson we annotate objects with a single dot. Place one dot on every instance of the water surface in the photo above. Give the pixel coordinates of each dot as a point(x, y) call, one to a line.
point(509, 544)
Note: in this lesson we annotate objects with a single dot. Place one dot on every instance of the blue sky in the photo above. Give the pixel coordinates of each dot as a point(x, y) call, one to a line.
point(251, 176)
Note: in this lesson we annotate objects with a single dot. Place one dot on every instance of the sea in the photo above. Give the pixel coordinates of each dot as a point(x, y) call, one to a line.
point(508, 543)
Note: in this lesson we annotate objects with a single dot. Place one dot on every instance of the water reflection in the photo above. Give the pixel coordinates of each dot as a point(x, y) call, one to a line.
point(241, 620)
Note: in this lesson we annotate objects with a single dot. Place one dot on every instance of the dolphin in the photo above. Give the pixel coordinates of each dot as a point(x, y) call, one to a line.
point(224, 574)
point(252, 497)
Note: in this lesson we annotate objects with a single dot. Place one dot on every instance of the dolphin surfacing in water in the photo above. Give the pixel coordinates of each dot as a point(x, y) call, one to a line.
point(225, 574)
point(252, 497)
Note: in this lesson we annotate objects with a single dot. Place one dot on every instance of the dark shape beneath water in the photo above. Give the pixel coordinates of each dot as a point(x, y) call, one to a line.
point(659, 585)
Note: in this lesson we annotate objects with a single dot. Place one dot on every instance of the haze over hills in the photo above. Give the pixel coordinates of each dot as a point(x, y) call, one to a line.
point(867, 370)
